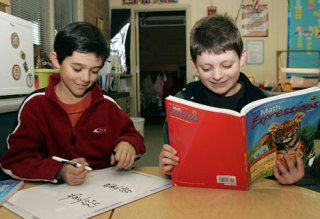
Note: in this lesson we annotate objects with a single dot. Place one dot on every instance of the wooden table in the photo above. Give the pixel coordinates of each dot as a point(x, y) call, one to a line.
point(265, 199)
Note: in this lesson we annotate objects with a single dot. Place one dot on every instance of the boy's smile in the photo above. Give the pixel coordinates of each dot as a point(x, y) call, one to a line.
point(220, 72)
point(78, 73)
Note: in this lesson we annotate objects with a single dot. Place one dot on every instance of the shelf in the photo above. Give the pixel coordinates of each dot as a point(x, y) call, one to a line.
point(122, 75)
point(301, 70)
point(117, 95)
point(280, 69)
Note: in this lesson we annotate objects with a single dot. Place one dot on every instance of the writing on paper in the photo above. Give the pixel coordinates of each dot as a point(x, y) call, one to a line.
point(78, 198)
point(113, 186)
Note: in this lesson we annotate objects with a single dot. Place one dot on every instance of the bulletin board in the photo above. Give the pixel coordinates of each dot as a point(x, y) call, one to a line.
point(303, 34)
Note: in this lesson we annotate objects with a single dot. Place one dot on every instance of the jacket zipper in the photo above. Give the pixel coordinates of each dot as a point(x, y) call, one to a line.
point(73, 137)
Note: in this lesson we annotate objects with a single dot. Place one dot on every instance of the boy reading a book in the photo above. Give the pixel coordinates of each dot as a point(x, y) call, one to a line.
point(72, 118)
point(217, 54)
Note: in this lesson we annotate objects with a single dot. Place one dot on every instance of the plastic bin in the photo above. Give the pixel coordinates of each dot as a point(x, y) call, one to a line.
point(138, 124)
point(41, 77)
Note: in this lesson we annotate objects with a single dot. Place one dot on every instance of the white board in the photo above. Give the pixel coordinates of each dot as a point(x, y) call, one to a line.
point(102, 191)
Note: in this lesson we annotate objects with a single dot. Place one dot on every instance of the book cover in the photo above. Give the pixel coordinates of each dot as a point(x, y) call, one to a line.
point(8, 188)
point(281, 124)
point(211, 145)
point(220, 148)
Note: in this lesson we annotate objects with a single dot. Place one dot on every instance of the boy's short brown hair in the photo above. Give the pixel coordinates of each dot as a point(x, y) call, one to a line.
point(215, 34)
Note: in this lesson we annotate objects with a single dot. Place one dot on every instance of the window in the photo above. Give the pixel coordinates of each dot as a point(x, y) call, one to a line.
point(28, 10)
point(64, 13)
point(35, 11)
point(47, 16)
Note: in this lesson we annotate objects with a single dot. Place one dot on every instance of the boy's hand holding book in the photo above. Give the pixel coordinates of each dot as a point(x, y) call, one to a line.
point(168, 159)
point(289, 175)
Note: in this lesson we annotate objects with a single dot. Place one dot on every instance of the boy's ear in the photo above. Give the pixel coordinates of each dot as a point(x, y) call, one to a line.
point(54, 59)
point(194, 65)
point(243, 57)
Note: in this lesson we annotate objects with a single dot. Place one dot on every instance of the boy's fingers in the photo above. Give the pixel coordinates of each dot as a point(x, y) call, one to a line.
point(113, 160)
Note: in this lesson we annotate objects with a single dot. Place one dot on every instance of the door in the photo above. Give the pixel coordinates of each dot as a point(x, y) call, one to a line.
point(161, 60)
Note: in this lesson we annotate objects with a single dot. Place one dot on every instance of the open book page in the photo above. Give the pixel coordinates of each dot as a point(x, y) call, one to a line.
point(281, 124)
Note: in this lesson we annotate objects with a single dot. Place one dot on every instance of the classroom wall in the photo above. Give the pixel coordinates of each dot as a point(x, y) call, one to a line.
point(97, 9)
point(277, 24)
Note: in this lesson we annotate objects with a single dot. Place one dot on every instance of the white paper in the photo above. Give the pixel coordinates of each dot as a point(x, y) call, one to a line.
point(255, 52)
point(297, 81)
point(103, 190)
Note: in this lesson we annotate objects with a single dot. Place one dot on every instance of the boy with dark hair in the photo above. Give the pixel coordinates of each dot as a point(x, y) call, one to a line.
point(217, 54)
point(71, 118)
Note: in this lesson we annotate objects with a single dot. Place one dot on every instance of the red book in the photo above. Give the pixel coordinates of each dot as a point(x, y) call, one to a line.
point(220, 148)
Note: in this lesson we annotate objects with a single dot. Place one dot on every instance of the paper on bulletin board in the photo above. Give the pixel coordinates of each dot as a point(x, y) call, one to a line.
point(255, 51)
point(254, 22)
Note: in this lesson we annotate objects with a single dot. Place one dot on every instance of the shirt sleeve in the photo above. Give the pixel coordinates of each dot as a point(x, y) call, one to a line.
point(166, 138)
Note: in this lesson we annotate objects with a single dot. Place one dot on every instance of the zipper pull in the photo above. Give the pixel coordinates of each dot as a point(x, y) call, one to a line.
point(73, 138)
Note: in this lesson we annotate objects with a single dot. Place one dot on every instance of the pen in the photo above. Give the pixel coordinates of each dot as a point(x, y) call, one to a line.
point(65, 161)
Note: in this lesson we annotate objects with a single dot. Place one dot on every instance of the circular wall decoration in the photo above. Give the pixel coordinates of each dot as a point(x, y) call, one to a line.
point(15, 40)
point(16, 72)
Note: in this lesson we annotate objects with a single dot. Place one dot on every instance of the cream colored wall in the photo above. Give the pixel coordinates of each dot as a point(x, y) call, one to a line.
point(277, 27)
point(94, 9)
point(277, 31)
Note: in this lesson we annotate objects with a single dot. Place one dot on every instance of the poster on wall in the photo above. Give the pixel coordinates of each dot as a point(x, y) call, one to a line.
point(304, 34)
point(255, 52)
point(254, 21)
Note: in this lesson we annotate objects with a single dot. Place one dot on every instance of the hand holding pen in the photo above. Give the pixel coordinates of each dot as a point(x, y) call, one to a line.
point(72, 163)
point(72, 175)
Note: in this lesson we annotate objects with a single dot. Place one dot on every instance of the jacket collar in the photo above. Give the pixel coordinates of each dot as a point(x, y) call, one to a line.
point(54, 79)
point(195, 91)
